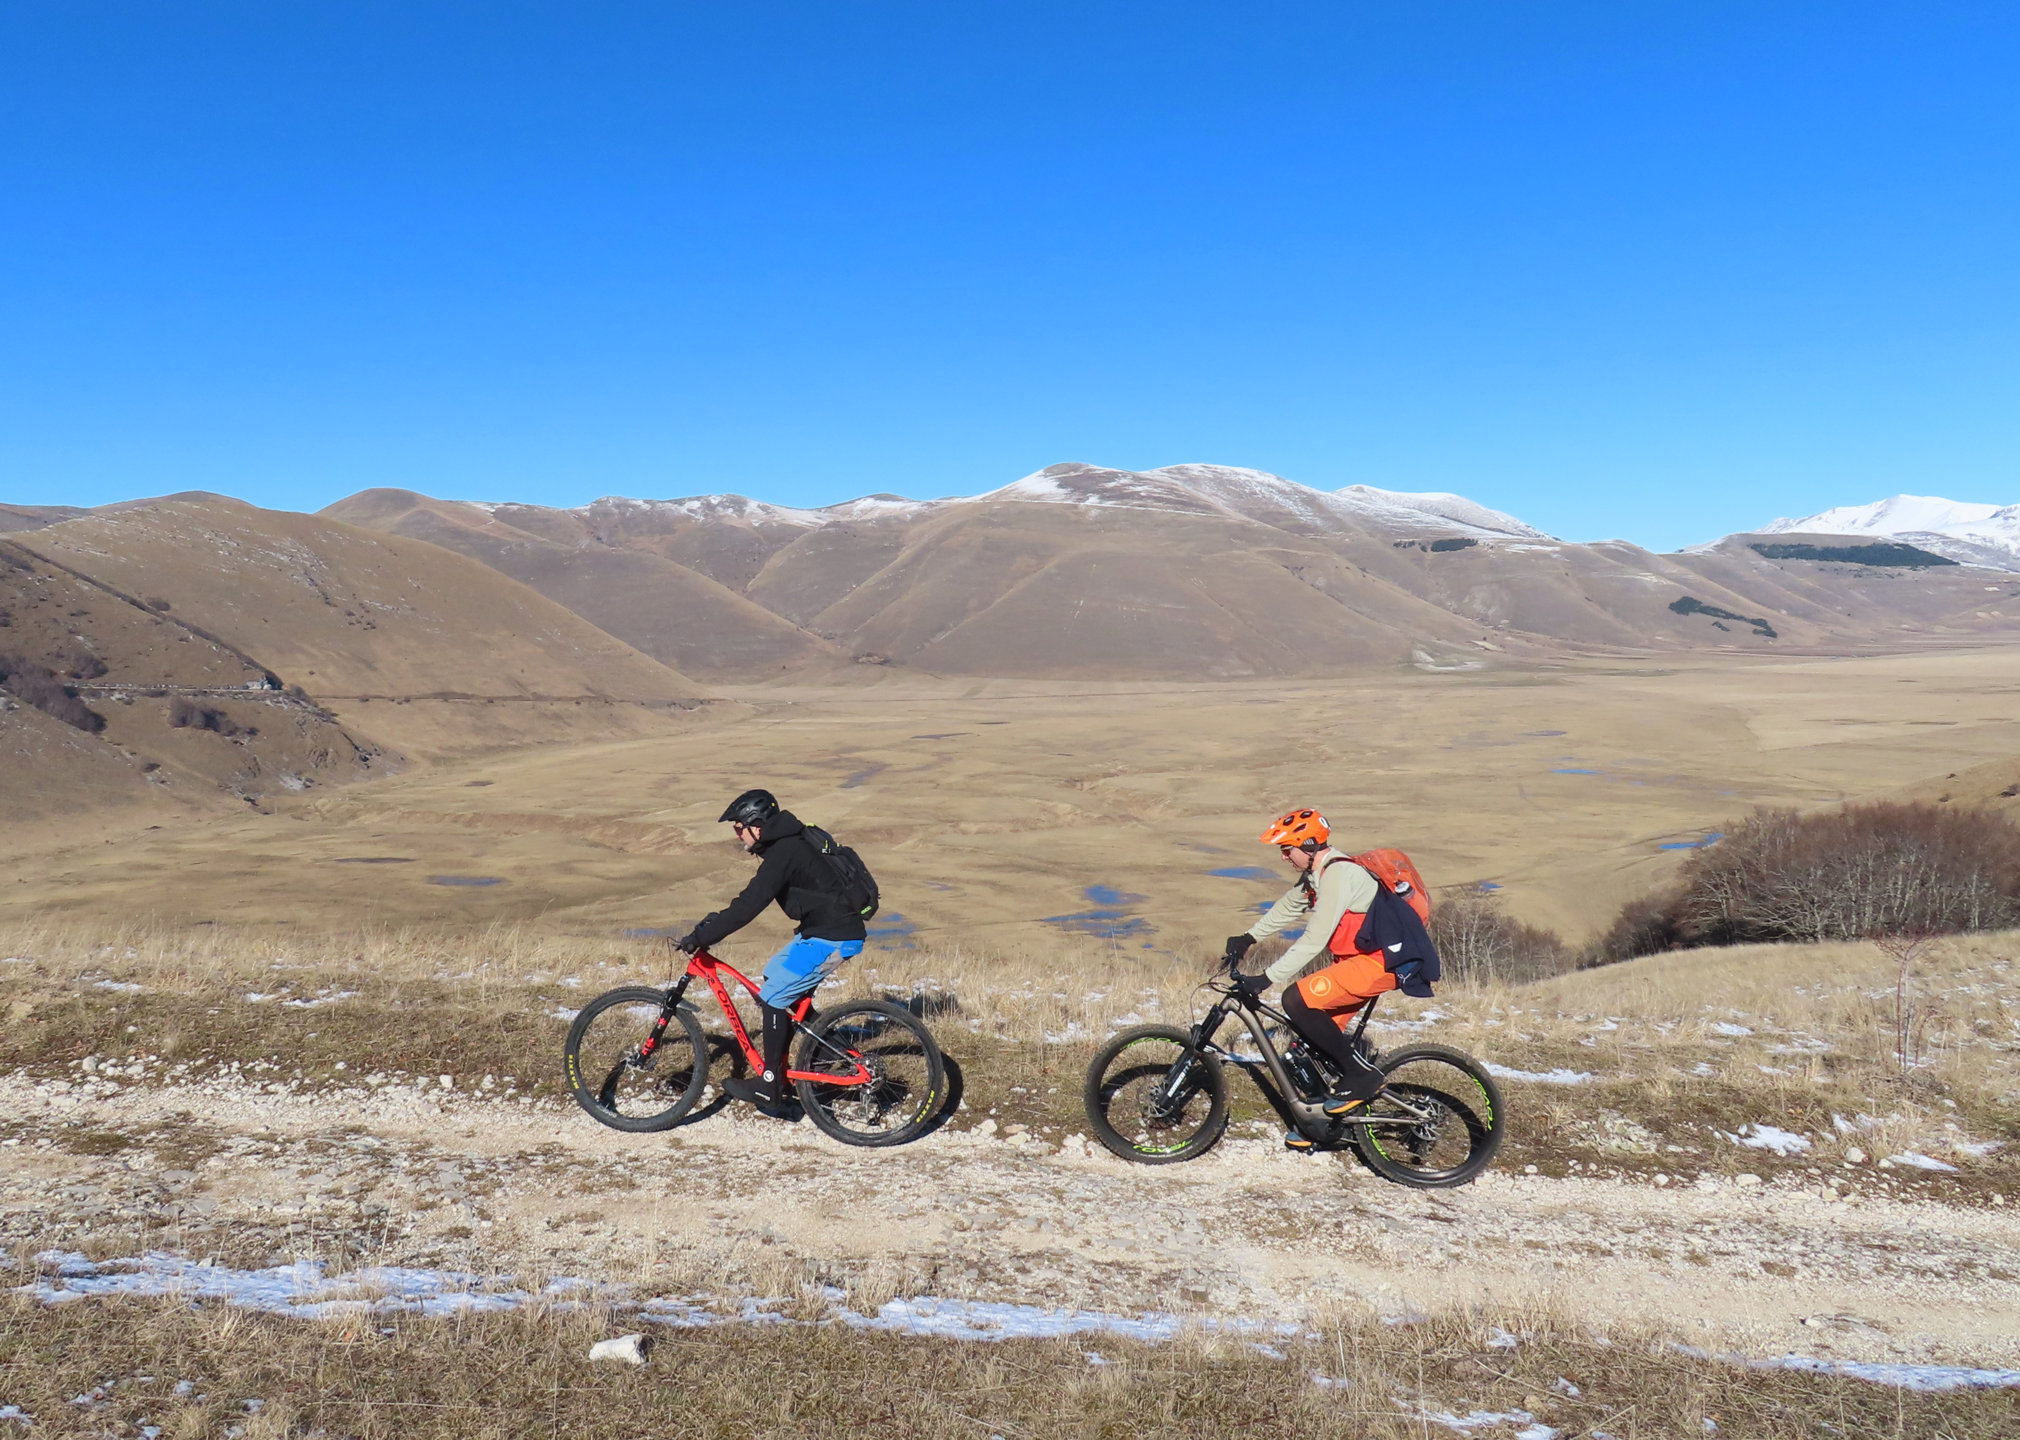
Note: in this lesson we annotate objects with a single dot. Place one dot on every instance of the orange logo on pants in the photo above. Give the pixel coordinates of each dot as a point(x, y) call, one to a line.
point(1343, 987)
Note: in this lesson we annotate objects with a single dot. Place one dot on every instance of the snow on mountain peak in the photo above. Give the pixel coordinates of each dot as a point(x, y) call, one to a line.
point(1455, 508)
point(1975, 534)
point(1898, 515)
point(1259, 495)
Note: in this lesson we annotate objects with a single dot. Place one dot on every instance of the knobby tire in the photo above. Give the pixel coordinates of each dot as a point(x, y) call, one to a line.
point(911, 1083)
point(1128, 1105)
point(1465, 1125)
point(605, 1075)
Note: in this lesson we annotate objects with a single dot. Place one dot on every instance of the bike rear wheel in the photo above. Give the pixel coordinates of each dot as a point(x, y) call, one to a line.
point(1438, 1121)
point(618, 1086)
point(909, 1079)
point(1154, 1097)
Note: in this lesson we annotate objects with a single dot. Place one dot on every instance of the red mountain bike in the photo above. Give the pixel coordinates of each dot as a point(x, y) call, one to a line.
point(867, 1072)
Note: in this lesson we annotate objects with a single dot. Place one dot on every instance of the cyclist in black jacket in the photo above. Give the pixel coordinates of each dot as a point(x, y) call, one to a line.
point(802, 881)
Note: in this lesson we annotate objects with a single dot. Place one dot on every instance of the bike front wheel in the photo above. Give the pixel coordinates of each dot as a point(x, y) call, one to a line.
point(1438, 1121)
point(908, 1079)
point(1154, 1097)
point(618, 1085)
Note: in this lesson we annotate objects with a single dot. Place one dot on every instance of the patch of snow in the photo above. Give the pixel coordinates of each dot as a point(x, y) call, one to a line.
point(1922, 1162)
point(302, 1291)
point(124, 987)
point(1979, 1149)
point(1768, 1137)
point(1534, 1429)
point(1722, 1027)
point(1539, 1077)
point(327, 999)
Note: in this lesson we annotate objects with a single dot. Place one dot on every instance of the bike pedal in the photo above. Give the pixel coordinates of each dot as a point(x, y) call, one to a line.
point(1299, 1143)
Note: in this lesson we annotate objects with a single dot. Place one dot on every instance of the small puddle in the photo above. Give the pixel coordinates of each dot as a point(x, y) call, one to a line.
point(1698, 844)
point(893, 930)
point(464, 880)
point(373, 860)
point(1245, 872)
point(1111, 922)
point(950, 735)
point(1539, 734)
point(1109, 895)
point(865, 774)
point(1573, 770)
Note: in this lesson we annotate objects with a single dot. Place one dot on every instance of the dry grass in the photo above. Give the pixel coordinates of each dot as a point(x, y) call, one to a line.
point(99, 1368)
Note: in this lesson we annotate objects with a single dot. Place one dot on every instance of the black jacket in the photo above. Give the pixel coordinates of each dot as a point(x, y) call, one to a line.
point(796, 875)
point(1393, 928)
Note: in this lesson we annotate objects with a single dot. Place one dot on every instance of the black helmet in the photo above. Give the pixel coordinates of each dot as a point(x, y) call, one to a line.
point(753, 807)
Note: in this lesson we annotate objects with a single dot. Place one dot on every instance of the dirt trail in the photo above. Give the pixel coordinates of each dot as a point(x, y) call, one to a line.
point(534, 1189)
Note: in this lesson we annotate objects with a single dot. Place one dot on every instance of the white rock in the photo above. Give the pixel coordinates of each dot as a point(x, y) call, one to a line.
point(1745, 1180)
point(447, 1082)
point(631, 1349)
point(1855, 1156)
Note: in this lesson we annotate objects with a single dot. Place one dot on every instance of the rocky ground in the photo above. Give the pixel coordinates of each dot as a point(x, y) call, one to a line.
point(243, 1166)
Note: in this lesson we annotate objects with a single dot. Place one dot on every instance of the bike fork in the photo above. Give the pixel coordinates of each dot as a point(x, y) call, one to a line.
point(672, 1003)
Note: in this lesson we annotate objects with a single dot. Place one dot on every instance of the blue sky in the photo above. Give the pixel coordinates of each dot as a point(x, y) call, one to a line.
point(1648, 270)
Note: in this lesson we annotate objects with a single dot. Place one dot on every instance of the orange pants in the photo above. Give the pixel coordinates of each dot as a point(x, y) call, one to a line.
point(1342, 988)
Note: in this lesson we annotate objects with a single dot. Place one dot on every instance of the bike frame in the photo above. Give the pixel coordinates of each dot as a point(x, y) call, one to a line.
point(1308, 1116)
point(705, 967)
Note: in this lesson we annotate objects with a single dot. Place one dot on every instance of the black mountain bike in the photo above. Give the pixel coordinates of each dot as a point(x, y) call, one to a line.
point(1158, 1094)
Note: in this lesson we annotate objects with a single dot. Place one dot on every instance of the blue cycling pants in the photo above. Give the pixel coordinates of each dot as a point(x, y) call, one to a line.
point(800, 967)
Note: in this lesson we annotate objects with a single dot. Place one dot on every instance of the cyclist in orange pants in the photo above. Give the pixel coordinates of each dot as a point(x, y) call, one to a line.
point(1330, 898)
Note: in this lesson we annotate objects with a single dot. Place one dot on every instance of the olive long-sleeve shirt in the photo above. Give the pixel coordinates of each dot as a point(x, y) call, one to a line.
point(1342, 887)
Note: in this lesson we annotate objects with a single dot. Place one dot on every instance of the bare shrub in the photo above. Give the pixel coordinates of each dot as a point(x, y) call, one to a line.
point(1865, 870)
point(1645, 926)
point(35, 685)
point(1860, 872)
point(187, 714)
point(1481, 943)
point(75, 662)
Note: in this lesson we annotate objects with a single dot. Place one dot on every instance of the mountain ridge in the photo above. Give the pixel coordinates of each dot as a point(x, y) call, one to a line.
point(1187, 570)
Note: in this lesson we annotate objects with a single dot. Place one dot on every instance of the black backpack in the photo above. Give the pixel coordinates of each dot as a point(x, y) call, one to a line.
point(855, 886)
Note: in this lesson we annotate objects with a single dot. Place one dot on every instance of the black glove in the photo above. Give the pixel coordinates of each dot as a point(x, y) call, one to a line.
point(1251, 987)
point(688, 942)
point(1238, 945)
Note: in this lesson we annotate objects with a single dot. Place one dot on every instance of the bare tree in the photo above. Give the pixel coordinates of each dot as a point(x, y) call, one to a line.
point(1903, 949)
point(1480, 942)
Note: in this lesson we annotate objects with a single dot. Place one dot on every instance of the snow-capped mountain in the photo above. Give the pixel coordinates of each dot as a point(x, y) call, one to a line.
point(1227, 490)
point(1271, 499)
point(758, 512)
point(1971, 533)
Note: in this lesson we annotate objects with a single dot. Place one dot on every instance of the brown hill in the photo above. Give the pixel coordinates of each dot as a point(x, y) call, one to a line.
point(1189, 571)
point(352, 618)
point(652, 602)
point(34, 517)
point(110, 701)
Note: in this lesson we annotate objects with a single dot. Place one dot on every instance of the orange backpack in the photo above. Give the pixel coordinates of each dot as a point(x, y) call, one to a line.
point(1395, 872)
point(1393, 869)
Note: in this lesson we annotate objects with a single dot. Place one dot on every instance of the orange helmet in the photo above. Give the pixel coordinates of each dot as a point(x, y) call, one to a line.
point(1306, 829)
